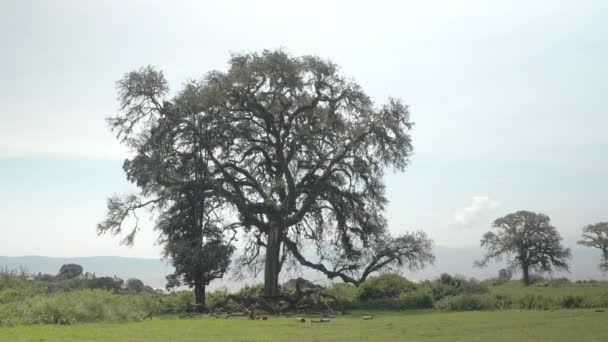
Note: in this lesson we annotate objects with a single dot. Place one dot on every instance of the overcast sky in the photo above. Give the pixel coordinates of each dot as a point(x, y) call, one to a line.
point(509, 100)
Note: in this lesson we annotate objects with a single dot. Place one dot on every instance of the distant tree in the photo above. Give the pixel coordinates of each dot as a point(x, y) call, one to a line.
point(296, 150)
point(529, 242)
point(106, 283)
point(505, 274)
point(596, 235)
point(134, 285)
point(69, 271)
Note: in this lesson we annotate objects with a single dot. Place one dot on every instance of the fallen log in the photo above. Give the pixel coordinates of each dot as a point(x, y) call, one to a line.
point(322, 320)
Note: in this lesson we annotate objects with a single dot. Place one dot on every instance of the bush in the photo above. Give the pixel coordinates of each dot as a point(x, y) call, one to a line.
point(475, 302)
point(180, 302)
point(134, 285)
point(72, 307)
point(384, 286)
point(536, 278)
point(218, 296)
point(447, 285)
point(572, 302)
point(536, 302)
point(251, 291)
point(69, 271)
point(505, 274)
point(105, 283)
point(346, 295)
point(419, 299)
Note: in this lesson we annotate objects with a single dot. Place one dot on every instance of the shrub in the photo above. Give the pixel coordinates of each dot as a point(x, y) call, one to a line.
point(572, 302)
point(505, 274)
point(385, 286)
point(536, 278)
point(536, 302)
point(346, 295)
point(72, 307)
point(180, 302)
point(105, 283)
point(473, 302)
point(251, 291)
point(69, 271)
point(134, 285)
point(447, 285)
point(219, 296)
point(419, 299)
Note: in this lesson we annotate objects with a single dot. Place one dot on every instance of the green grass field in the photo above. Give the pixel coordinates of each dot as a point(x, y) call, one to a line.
point(511, 325)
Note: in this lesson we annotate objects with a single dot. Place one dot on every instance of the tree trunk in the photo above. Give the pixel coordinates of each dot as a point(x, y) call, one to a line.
point(199, 296)
point(271, 266)
point(526, 275)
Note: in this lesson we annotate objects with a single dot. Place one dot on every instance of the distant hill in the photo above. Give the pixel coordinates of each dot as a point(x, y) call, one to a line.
point(153, 271)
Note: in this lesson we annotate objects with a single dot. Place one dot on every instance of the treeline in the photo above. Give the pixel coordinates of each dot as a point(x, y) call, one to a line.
point(71, 277)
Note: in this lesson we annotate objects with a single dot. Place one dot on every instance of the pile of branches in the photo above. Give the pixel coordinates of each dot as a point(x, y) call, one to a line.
point(308, 298)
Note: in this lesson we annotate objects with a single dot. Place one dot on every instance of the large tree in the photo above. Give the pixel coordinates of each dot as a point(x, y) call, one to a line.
point(529, 242)
point(298, 151)
point(596, 235)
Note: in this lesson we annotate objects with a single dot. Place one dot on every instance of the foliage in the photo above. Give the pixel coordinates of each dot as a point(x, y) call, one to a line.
point(251, 291)
point(472, 302)
point(69, 271)
point(384, 286)
point(179, 302)
point(505, 274)
point(346, 294)
point(134, 285)
point(596, 235)
point(71, 307)
point(530, 242)
point(105, 283)
point(296, 149)
point(419, 299)
point(447, 285)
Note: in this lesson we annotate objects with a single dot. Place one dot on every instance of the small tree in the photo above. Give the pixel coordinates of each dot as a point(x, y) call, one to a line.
point(134, 285)
point(505, 274)
point(69, 271)
point(596, 235)
point(199, 252)
point(529, 241)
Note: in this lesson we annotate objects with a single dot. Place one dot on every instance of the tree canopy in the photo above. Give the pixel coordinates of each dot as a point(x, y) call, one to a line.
point(596, 235)
point(69, 271)
point(529, 242)
point(296, 152)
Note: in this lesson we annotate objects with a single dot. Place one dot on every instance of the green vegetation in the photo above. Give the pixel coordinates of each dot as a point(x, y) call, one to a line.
point(27, 300)
point(562, 325)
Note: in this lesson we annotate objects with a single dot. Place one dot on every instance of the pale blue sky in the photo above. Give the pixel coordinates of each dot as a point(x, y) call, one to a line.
point(509, 100)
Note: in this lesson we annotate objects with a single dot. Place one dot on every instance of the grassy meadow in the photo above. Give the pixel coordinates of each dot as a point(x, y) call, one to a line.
point(502, 325)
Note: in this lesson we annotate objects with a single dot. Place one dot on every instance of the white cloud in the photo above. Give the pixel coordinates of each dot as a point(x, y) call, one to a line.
point(478, 205)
